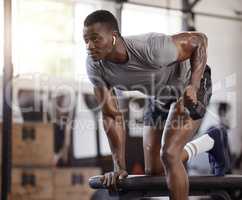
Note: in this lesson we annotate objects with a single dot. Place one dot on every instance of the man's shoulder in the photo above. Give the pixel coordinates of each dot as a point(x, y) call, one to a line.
point(143, 37)
point(141, 43)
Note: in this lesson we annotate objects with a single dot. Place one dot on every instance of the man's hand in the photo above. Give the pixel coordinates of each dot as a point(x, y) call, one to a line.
point(190, 96)
point(110, 179)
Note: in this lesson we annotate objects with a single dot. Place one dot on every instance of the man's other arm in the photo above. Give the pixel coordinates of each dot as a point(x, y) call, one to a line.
point(115, 130)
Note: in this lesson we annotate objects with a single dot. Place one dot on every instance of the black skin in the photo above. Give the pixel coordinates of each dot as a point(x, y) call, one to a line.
point(99, 39)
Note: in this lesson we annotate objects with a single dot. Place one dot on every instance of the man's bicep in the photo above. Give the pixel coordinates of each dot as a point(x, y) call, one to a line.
point(103, 94)
point(107, 100)
point(186, 43)
point(100, 93)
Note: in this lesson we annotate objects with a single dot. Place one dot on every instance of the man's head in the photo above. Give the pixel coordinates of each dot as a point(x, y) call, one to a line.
point(100, 33)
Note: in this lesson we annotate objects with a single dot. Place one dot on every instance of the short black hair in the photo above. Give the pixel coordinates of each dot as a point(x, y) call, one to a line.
point(102, 16)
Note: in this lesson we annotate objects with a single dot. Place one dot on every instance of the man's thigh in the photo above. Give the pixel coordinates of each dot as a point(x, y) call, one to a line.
point(180, 128)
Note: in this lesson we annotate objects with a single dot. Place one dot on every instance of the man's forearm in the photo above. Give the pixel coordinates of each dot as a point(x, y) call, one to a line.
point(115, 130)
point(198, 61)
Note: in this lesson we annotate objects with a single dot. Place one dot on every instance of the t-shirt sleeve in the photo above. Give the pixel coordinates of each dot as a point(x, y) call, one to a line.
point(161, 50)
point(94, 73)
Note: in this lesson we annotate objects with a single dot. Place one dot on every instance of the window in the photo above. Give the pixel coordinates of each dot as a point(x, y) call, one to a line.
point(47, 37)
point(143, 19)
point(42, 37)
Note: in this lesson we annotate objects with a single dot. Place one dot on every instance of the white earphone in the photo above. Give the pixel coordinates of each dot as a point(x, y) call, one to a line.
point(114, 40)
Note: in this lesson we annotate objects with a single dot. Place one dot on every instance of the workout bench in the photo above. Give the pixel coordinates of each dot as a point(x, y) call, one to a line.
point(228, 187)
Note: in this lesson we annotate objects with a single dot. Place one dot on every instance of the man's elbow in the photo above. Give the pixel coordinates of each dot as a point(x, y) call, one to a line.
point(107, 115)
point(111, 122)
point(111, 115)
point(108, 122)
point(203, 39)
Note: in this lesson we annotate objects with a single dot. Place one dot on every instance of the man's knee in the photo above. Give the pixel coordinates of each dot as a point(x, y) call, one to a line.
point(170, 156)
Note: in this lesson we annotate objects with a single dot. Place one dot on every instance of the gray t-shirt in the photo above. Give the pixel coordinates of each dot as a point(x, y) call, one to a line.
point(152, 68)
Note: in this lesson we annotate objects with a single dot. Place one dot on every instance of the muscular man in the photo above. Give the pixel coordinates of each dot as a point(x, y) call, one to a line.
point(172, 71)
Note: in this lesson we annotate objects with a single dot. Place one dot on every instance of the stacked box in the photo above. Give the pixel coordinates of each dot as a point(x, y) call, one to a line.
point(32, 184)
point(33, 176)
point(33, 144)
point(72, 183)
point(32, 159)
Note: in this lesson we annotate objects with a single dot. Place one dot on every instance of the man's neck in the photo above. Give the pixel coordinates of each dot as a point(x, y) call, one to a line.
point(119, 52)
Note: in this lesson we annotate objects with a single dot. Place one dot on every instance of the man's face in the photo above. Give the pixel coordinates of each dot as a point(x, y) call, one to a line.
point(98, 39)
